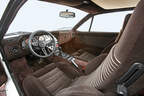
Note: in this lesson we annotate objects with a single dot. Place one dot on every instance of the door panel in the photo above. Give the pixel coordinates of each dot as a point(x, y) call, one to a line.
point(3, 77)
point(96, 40)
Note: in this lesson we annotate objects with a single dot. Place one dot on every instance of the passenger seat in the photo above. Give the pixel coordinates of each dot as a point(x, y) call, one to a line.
point(86, 56)
point(83, 55)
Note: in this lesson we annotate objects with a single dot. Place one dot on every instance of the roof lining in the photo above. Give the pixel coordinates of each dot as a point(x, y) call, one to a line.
point(91, 7)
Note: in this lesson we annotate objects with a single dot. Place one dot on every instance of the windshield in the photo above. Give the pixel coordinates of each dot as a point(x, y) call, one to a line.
point(38, 15)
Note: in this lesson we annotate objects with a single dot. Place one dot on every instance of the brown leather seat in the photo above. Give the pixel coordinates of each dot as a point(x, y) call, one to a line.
point(101, 81)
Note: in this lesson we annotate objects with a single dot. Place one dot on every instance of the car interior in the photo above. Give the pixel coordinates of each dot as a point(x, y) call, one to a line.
point(74, 63)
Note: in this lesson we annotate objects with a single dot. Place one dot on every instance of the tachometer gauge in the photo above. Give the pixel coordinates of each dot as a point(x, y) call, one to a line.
point(47, 38)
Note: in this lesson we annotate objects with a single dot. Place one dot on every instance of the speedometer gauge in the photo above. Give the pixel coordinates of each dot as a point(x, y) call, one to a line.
point(41, 38)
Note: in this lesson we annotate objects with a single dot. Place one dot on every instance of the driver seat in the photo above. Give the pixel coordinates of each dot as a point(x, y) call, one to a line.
point(102, 81)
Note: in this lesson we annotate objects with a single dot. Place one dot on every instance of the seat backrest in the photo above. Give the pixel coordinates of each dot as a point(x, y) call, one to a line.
point(128, 50)
point(92, 65)
point(114, 41)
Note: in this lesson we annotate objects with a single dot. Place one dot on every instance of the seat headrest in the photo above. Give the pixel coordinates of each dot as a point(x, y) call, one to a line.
point(127, 17)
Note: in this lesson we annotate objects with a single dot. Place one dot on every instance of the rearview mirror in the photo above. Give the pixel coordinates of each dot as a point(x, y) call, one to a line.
point(67, 14)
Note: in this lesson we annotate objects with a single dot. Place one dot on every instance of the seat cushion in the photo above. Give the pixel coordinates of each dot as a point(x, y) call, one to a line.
point(48, 80)
point(83, 55)
point(55, 80)
point(33, 87)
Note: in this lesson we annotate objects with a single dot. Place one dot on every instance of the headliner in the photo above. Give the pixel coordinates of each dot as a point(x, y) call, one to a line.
point(97, 6)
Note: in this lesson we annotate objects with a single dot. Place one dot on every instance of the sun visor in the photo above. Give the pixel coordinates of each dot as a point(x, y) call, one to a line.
point(116, 4)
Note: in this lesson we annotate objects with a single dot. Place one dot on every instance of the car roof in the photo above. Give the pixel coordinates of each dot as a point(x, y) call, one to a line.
point(96, 6)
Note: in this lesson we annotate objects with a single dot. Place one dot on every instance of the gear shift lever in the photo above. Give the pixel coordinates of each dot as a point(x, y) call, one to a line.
point(70, 58)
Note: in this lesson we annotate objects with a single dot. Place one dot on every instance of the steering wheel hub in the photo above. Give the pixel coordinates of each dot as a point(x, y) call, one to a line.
point(42, 44)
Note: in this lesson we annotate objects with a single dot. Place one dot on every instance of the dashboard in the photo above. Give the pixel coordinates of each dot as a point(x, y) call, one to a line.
point(15, 44)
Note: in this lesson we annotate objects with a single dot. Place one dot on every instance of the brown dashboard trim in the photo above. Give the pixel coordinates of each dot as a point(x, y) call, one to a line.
point(13, 46)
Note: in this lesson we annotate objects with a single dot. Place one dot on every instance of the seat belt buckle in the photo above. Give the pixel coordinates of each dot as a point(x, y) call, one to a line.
point(134, 73)
point(122, 90)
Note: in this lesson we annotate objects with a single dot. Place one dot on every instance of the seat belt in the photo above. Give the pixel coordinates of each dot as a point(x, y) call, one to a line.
point(133, 74)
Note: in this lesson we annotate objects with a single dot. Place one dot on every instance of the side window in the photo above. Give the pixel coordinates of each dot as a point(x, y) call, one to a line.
point(109, 22)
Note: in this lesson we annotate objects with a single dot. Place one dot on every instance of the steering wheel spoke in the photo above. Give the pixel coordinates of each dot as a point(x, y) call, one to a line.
point(44, 51)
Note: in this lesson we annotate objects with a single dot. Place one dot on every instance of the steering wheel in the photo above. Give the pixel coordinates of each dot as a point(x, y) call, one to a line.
point(42, 44)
